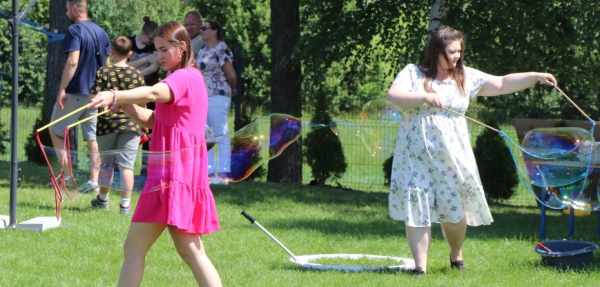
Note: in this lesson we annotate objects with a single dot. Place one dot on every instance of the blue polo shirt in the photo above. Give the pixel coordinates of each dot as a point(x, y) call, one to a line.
point(79, 39)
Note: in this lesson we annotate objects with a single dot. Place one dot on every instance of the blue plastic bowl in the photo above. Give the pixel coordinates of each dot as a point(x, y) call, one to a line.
point(567, 254)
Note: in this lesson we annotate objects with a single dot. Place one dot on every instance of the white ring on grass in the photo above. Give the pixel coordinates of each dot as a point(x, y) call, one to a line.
point(304, 261)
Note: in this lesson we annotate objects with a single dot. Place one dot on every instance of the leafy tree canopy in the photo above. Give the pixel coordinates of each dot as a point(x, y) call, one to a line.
point(559, 37)
point(353, 48)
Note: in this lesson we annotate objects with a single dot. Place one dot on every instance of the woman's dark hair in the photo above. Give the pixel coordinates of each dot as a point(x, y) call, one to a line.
point(149, 26)
point(436, 46)
point(175, 33)
point(216, 26)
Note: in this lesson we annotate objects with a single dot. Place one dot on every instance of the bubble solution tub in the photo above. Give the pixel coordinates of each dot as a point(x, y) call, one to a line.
point(567, 254)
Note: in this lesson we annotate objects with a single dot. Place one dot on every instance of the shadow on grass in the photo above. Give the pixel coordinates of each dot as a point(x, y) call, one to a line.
point(248, 193)
point(292, 267)
point(52, 207)
point(509, 221)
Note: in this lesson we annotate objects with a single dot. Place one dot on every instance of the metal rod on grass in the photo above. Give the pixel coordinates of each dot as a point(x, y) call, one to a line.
point(252, 220)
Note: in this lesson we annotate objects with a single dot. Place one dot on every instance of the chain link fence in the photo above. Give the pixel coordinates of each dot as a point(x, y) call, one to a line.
point(364, 172)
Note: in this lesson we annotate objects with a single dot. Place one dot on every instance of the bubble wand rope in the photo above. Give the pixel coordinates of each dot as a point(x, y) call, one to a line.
point(58, 185)
point(510, 142)
point(68, 148)
point(517, 145)
point(471, 119)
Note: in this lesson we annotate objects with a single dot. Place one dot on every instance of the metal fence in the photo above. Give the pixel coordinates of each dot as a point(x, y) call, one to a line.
point(364, 172)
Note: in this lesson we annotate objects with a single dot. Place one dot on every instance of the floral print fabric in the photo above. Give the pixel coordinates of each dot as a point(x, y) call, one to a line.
point(434, 173)
point(211, 64)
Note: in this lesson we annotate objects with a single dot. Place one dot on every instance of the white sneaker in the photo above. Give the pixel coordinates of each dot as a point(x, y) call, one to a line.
point(67, 179)
point(218, 181)
point(89, 187)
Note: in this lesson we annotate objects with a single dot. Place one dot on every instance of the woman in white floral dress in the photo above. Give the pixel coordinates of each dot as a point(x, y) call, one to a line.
point(434, 173)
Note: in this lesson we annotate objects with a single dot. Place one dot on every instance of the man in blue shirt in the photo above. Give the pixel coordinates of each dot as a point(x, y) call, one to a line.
point(87, 47)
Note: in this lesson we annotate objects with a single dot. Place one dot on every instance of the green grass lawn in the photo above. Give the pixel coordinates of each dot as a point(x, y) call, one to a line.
point(87, 249)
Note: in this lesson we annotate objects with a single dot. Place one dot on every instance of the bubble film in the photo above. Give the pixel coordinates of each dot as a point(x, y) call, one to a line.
point(557, 156)
point(116, 174)
point(263, 140)
point(559, 161)
point(377, 127)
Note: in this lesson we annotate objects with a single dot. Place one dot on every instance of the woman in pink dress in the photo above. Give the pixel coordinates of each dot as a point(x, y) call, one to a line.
point(176, 195)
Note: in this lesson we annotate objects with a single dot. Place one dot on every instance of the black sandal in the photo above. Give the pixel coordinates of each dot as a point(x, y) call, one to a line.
point(458, 264)
point(418, 271)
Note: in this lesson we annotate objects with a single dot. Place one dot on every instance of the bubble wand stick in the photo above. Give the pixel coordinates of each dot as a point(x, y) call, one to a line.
point(563, 93)
point(61, 118)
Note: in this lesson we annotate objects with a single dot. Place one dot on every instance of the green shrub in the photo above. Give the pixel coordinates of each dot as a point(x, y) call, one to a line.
point(561, 124)
point(323, 149)
point(32, 149)
point(2, 137)
point(496, 167)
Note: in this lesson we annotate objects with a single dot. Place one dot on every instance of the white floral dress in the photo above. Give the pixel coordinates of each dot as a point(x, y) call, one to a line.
point(434, 173)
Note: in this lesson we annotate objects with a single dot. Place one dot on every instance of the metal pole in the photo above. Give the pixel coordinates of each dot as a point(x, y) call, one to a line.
point(14, 168)
point(238, 85)
point(543, 211)
point(571, 221)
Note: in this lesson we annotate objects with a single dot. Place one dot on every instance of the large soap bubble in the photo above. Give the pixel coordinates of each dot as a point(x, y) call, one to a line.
point(263, 140)
point(559, 161)
point(558, 156)
point(252, 146)
point(377, 127)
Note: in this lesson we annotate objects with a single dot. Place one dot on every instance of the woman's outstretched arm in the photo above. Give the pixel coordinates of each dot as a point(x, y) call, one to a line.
point(502, 85)
point(128, 100)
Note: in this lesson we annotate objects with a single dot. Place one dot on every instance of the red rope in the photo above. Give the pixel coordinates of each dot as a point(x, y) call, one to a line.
point(57, 189)
point(58, 182)
point(67, 148)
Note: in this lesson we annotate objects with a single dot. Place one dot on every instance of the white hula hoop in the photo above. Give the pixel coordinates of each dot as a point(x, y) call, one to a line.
point(304, 261)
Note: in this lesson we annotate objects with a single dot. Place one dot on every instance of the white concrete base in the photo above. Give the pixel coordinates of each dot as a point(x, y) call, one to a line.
point(39, 224)
point(4, 221)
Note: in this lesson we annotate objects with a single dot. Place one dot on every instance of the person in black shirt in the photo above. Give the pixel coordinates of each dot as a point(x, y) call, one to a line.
point(115, 130)
point(143, 57)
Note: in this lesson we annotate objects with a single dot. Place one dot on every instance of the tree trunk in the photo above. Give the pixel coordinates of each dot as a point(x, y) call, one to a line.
point(436, 14)
point(55, 62)
point(285, 84)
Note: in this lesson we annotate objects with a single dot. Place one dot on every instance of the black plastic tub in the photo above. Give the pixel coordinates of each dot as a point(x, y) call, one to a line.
point(567, 254)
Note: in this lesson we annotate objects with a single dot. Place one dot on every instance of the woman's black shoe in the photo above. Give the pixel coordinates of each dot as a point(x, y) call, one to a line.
point(458, 264)
point(418, 271)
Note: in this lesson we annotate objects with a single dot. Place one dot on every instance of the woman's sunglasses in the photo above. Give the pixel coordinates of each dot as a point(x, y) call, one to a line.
point(204, 28)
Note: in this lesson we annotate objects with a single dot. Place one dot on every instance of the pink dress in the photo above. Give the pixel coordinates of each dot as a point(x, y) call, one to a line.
point(177, 191)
